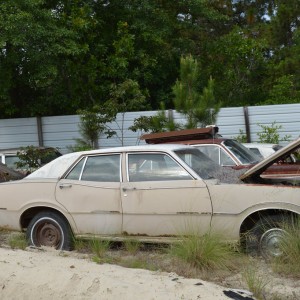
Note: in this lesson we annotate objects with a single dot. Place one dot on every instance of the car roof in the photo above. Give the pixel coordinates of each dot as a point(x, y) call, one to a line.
point(160, 147)
point(58, 166)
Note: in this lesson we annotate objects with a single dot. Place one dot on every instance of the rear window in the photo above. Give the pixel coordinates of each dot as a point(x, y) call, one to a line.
point(11, 161)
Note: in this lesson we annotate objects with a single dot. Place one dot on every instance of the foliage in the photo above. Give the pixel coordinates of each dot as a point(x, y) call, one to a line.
point(157, 123)
point(204, 252)
point(32, 158)
point(236, 61)
point(198, 108)
point(123, 97)
point(126, 96)
point(132, 245)
point(18, 241)
point(60, 56)
point(289, 262)
point(241, 137)
point(283, 91)
point(99, 249)
point(270, 134)
point(33, 46)
point(255, 282)
point(92, 124)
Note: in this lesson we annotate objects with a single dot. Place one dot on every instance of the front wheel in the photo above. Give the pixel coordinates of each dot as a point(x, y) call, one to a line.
point(51, 230)
point(265, 237)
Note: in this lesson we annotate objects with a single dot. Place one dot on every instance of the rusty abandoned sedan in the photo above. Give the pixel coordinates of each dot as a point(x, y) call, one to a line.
point(152, 192)
point(227, 152)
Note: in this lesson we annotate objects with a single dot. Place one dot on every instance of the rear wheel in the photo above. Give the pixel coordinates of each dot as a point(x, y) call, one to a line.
point(265, 237)
point(51, 230)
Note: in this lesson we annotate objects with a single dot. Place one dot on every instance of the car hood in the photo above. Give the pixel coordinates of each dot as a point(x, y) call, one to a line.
point(260, 167)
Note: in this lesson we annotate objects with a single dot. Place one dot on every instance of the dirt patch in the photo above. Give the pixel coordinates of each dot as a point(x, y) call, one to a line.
point(47, 273)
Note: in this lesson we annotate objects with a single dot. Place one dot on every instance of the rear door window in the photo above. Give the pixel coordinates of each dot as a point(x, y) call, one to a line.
point(100, 168)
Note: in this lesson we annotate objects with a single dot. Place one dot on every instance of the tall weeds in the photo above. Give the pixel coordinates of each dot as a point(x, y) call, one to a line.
point(289, 261)
point(255, 282)
point(99, 248)
point(204, 252)
point(132, 245)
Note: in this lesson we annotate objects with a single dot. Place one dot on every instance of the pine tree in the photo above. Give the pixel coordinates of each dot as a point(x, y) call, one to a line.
point(199, 108)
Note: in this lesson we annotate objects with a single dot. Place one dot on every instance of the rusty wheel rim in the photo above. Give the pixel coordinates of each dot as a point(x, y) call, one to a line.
point(48, 233)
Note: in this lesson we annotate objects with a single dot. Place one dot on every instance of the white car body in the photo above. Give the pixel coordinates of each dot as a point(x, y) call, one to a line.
point(263, 150)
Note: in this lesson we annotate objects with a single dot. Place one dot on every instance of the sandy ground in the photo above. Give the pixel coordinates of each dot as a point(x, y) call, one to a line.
point(49, 274)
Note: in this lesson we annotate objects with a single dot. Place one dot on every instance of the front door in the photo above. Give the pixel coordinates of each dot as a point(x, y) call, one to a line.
point(161, 198)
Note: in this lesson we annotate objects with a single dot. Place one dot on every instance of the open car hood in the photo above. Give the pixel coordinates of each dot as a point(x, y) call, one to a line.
point(260, 167)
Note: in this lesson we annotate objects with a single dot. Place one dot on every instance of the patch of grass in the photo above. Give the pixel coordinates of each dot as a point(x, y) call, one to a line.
point(18, 241)
point(132, 245)
point(205, 252)
point(99, 248)
point(80, 245)
point(255, 282)
point(289, 262)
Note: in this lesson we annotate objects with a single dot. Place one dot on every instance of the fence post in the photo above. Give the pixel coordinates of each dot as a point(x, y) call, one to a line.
point(40, 131)
point(247, 124)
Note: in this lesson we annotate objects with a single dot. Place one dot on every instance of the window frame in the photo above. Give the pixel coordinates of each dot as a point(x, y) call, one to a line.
point(85, 159)
point(155, 152)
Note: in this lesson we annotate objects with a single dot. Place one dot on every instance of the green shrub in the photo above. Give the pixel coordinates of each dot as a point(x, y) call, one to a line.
point(270, 134)
point(204, 252)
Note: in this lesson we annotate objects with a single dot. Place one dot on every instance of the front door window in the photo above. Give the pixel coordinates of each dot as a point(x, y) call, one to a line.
point(154, 167)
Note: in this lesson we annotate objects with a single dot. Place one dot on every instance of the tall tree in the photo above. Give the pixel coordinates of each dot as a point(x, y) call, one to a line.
point(33, 43)
point(59, 56)
point(199, 107)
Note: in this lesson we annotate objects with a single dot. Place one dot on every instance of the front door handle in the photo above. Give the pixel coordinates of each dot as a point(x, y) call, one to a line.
point(65, 185)
point(128, 189)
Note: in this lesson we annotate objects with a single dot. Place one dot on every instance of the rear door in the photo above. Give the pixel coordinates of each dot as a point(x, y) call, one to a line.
point(91, 194)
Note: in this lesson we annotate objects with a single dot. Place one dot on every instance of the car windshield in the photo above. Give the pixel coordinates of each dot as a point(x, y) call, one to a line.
point(206, 168)
point(244, 155)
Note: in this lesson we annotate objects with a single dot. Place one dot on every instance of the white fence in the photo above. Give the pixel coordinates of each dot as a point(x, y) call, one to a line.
point(61, 131)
